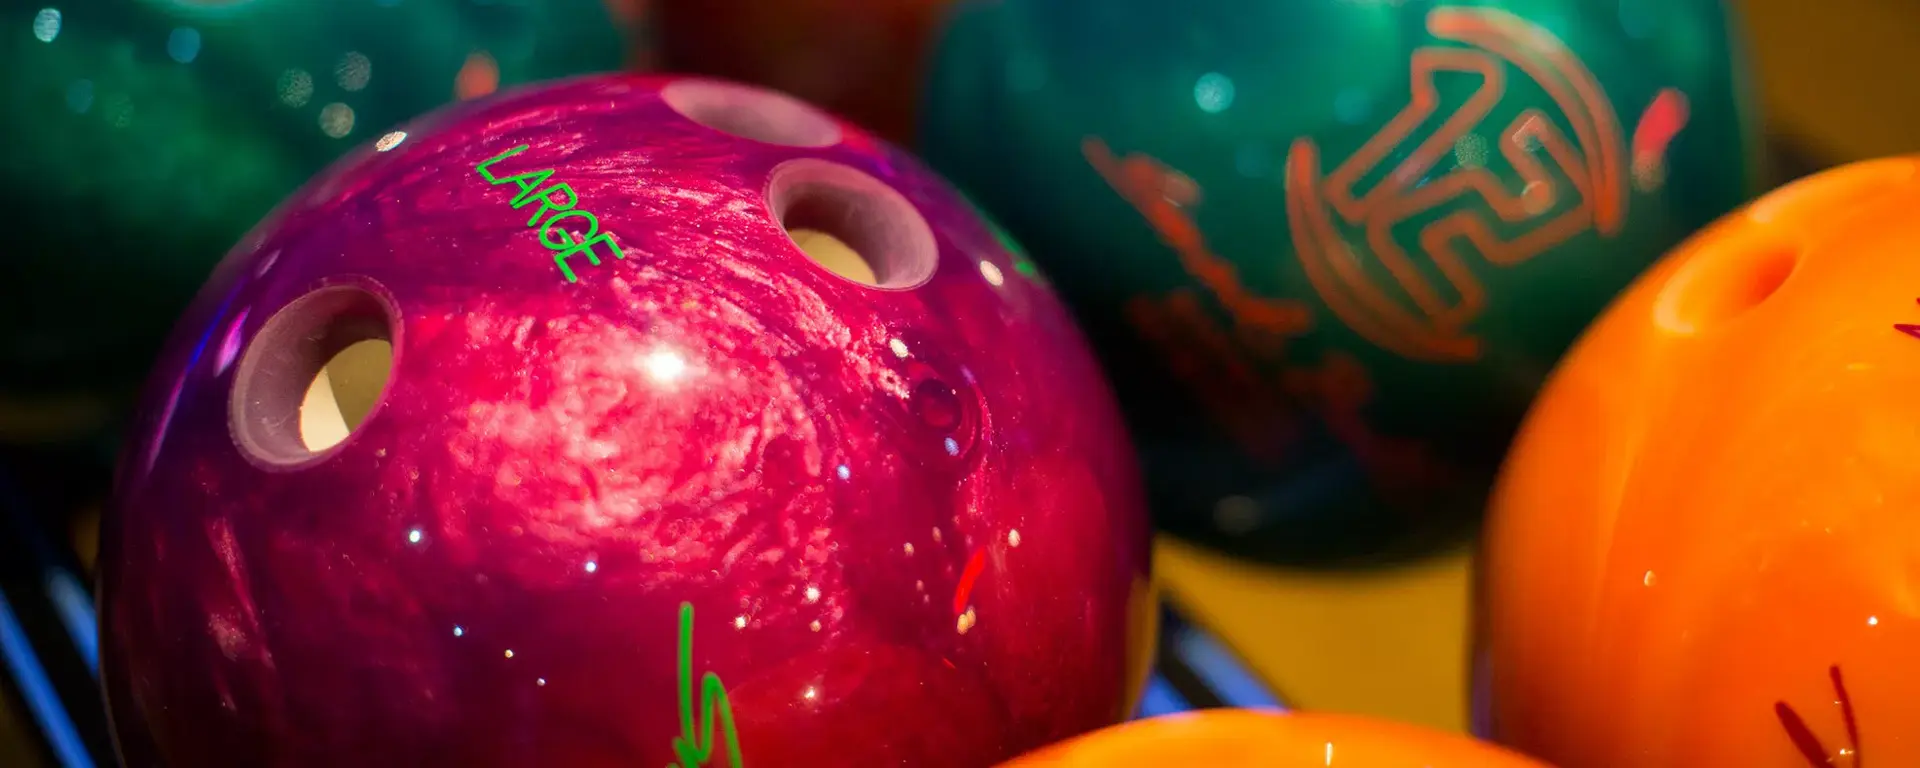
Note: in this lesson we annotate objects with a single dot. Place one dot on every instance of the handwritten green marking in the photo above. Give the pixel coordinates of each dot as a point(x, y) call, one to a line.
point(561, 199)
point(1025, 267)
point(694, 752)
point(1021, 263)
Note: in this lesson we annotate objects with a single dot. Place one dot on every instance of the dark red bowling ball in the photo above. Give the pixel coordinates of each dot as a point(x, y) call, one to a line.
point(865, 59)
point(646, 484)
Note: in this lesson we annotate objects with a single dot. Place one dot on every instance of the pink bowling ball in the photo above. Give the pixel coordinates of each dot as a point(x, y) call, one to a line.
point(703, 429)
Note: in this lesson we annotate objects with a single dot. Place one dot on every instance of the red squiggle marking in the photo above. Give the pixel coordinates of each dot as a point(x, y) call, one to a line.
point(961, 593)
point(1803, 737)
point(1846, 711)
point(1659, 124)
point(1909, 328)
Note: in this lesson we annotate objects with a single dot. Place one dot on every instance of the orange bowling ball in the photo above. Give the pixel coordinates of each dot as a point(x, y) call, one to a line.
point(1704, 548)
point(1233, 738)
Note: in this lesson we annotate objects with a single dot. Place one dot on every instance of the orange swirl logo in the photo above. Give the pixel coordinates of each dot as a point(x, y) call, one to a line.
point(1421, 303)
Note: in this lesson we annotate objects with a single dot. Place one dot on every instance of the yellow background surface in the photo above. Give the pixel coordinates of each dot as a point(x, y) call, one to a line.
point(1390, 644)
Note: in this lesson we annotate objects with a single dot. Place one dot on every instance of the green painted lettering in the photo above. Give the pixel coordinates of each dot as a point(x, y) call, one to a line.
point(545, 196)
point(560, 260)
point(691, 751)
point(529, 181)
point(482, 168)
point(560, 200)
point(585, 247)
point(567, 240)
point(569, 245)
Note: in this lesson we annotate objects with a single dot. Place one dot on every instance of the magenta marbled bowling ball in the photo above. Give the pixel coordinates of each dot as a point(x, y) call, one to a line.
point(905, 517)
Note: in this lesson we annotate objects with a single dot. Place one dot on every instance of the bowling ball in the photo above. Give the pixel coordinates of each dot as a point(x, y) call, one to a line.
point(662, 420)
point(148, 135)
point(859, 58)
point(1329, 249)
point(1702, 550)
point(1229, 738)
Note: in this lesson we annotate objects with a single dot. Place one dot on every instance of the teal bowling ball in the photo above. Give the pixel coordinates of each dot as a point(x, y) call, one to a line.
point(1329, 249)
point(146, 136)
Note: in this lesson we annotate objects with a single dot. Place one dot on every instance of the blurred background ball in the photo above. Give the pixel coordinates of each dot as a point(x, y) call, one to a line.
point(862, 59)
point(1329, 249)
point(147, 135)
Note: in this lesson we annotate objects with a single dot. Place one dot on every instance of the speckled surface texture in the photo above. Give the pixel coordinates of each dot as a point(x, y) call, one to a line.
point(907, 520)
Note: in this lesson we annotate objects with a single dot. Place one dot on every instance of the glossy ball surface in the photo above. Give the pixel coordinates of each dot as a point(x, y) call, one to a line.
point(147, 135)
point(1702, 550)
point(861, 59)
point(1243, 738)
point(902, 520)
point(1329, 249)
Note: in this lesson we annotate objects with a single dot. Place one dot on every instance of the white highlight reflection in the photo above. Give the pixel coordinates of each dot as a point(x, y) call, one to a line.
point(665, 366)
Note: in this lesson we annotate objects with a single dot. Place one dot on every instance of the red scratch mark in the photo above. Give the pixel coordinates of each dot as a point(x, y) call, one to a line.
point(1659, 124)
point(1802, 736)
point(1846, 711)
point(1909, 328)
point(975, 565)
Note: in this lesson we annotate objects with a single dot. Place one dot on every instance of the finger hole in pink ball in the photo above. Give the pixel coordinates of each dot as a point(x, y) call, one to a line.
point(852, 224)
point(751, 113)
point(312, 376)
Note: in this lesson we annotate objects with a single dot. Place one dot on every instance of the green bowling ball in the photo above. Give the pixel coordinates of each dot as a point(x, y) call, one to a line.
point(1330, 248)
point(146, 136)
